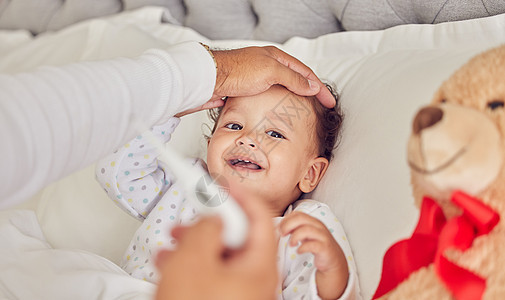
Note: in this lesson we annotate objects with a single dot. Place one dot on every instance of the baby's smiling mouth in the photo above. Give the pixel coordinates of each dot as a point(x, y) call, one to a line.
point(243, 163)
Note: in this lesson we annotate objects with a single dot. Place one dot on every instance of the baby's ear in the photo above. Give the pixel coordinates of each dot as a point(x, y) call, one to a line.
point(315, 172)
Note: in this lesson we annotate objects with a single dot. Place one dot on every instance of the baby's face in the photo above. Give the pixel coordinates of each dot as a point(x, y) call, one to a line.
point(263, 146)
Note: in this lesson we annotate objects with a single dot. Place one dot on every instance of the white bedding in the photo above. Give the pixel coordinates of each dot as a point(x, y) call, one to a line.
point(66, 244)
point(33, 269)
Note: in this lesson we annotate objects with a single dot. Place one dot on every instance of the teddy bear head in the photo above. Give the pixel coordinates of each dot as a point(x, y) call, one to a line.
point(458, 141)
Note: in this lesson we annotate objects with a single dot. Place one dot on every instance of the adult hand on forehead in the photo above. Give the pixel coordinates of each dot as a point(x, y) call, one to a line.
point(252, 70)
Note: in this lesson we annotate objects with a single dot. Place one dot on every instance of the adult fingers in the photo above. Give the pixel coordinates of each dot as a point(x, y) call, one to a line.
point(212, 104)
point(203, 239)
point(161, 257)
point(294, 81)
point(261, 239)
point(325, 97)
point(178, 232)
point(261, 255)
point(256, 260)
point(207, 105)
point(199, 250)
point(305, 89)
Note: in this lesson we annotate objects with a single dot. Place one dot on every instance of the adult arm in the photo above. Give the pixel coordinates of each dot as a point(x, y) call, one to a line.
point(56, 120)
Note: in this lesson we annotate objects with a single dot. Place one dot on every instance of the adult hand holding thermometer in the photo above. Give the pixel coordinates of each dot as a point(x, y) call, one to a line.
point(205, 193)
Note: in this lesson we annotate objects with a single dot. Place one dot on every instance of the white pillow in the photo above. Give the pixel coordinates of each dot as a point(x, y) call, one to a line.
point(383, 76)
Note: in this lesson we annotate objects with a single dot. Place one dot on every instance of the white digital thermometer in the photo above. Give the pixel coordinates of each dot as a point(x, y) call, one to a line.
point(207, 196)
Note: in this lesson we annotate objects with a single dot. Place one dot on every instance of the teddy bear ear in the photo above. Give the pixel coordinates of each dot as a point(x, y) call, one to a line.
point(439, 96)
point(438, 100)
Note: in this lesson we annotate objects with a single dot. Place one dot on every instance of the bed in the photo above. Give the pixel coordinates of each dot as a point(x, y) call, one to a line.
point(65, 242)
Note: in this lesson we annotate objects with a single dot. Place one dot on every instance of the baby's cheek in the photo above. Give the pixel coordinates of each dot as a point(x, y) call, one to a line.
point(212, 157)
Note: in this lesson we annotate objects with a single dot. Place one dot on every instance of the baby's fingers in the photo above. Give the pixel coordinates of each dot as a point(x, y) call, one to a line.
point(313, 247)
point(297, 219)
point(307, 233)
point(326, 256)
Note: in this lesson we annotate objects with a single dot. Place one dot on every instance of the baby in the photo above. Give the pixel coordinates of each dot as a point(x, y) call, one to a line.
point(272, 147)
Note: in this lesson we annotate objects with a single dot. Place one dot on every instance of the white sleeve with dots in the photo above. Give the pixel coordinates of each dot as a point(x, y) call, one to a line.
point(298, 270)
point(133, 177)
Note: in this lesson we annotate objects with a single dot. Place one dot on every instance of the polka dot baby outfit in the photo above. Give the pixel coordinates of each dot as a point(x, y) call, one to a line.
point(298, 273)
point(143, 186)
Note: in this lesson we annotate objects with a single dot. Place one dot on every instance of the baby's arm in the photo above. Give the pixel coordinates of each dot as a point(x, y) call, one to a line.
point(315, 236)
point(133, 177)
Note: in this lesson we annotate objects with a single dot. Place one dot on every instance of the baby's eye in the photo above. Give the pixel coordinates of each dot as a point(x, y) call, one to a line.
point(233, 126)
point(275, 134)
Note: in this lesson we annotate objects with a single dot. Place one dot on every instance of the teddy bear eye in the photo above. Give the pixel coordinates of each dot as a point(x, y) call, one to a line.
point(495, 104)
point(443, 100)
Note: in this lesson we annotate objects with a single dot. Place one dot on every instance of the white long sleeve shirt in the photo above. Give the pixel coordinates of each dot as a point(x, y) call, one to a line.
point(57, 120)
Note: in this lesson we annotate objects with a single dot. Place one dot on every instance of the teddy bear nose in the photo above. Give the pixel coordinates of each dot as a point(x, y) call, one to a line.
point(427, 117)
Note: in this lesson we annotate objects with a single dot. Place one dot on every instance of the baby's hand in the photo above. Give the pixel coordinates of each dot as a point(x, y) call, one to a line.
point(329, 259)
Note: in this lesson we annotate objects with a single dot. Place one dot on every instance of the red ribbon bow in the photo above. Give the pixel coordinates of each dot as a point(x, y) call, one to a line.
point(432, 236)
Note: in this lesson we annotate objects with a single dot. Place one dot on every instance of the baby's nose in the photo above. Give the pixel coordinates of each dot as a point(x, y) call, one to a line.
point(246, 141)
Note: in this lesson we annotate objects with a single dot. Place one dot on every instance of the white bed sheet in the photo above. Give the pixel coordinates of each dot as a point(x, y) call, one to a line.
point(32, 269)
point(383, 77)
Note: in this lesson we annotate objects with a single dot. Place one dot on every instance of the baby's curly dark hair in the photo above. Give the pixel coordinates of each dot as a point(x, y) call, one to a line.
point(327, 127)
point(328, 124)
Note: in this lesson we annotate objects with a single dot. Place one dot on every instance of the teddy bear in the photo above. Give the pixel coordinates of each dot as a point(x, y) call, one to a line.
point(456, 157)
